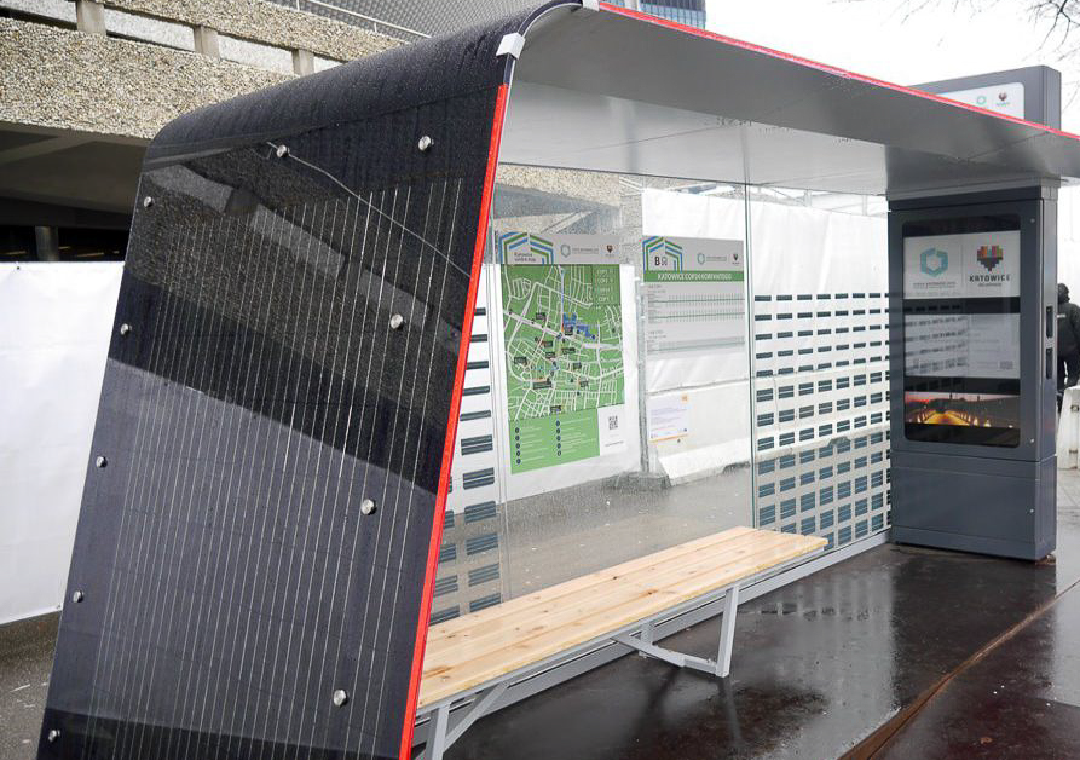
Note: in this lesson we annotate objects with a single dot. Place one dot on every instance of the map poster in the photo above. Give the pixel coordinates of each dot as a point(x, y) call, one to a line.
point(563, 335)
point(695, 299)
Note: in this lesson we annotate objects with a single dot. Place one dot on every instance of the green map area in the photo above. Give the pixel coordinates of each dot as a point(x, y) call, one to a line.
point(564, 359)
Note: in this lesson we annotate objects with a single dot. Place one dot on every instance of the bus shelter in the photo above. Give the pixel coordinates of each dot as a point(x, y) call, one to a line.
point(406, 341)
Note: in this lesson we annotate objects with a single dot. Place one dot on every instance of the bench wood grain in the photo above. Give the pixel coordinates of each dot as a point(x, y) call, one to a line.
point(472, 650)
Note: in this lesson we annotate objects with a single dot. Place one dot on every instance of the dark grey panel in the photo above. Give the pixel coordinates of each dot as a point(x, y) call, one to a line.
point(1008, 511)
point(1042, 90)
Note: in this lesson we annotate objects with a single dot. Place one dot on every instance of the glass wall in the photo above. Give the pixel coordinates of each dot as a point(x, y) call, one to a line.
point(606, 411)
point(657, 360)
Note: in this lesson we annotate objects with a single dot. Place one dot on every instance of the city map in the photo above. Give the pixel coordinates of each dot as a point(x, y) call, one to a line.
point(564, 359)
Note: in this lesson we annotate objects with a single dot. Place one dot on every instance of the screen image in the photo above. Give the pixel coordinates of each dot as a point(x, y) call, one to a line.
point(962, 330)
point(962, 409)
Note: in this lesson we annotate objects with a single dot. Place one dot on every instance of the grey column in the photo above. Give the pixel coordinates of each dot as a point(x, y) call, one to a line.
point(206, 42)
point(303, 62)
point(46, 243)
point(90, 16)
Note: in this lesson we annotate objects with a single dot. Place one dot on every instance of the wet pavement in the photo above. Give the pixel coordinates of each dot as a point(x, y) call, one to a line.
point(820, 665)
point(1022, 700)
point(26, 650)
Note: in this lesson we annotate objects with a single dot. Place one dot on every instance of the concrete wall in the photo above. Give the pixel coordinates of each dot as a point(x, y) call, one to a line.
point(81, 79)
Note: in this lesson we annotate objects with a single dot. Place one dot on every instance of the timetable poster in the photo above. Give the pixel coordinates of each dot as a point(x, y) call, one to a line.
point(695, 295)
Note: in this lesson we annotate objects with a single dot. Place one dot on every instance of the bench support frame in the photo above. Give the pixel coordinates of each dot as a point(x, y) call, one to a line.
point(441, 734)
point(720, 667)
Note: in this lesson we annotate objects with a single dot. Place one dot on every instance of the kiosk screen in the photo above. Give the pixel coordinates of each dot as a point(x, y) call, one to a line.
point(962, 330)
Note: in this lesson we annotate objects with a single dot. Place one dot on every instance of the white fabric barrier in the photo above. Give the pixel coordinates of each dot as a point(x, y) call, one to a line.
point(56, 320)
point(1068, 432)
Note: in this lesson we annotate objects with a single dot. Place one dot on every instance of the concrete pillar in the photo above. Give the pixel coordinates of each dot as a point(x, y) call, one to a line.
point(46, 243)
point(90, 16)
point(303, 62)
point(206, 42)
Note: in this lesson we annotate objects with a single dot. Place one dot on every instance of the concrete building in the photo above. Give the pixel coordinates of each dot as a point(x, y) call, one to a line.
point(84, 85)
point(451, 15)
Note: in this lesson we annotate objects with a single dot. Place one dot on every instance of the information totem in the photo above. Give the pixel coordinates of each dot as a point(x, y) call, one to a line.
point(973, 293)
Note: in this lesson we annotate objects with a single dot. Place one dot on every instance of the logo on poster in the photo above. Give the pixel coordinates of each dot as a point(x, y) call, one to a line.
point(990, 256)
point(933, 262)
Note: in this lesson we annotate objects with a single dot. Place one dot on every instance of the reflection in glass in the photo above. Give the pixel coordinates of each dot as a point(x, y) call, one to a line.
point(820, 359)
point(607, 401)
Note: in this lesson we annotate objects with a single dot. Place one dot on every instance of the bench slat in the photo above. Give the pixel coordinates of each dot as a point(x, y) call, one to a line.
point(529, 604)
point(611, 585)
point(651, 592)
point(485, 645)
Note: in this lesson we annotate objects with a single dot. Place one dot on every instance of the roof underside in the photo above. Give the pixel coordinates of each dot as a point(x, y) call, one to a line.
point(608, 92)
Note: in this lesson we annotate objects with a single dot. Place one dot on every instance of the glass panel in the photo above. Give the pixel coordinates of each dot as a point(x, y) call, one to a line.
point(820, 363)
point(607, 399)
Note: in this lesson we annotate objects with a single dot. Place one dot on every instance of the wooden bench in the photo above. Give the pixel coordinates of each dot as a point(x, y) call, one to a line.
point(477, 656)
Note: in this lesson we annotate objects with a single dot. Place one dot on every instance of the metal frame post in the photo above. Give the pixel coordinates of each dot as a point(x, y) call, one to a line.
point(727, 632)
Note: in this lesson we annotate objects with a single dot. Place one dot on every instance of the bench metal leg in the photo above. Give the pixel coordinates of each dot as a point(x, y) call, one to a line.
point(437, 743)
point(727, 632)
point(442, 736)
point(721, 666)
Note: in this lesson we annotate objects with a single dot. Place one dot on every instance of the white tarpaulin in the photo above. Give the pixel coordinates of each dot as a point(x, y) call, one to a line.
point(56, 320)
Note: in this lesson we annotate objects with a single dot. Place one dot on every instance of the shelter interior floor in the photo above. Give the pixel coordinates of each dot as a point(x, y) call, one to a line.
point(819, 666)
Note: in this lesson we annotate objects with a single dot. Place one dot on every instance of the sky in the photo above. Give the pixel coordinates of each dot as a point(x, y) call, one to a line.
point(887, 40)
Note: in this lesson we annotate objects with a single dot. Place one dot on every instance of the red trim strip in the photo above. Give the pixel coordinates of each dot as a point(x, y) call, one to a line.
point(823, 67)
point(451, 426)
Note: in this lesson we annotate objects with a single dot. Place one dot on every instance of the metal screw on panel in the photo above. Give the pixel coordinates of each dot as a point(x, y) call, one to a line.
point(125, 328)
point(367, 506)
point(101, 462)
point(425, 143)
point(52, 736)
point(340, 697)
point(147, 202)
point(397, 321)
point(282, 151)
point(77, 597)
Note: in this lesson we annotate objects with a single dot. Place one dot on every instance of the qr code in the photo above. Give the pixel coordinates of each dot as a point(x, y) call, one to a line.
point(613, 422)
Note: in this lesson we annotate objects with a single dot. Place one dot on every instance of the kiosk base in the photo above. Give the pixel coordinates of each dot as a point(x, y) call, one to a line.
point(989, 506)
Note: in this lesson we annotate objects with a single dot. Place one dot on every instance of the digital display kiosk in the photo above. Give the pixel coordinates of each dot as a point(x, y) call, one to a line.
point(972, 373)
point(961, 313)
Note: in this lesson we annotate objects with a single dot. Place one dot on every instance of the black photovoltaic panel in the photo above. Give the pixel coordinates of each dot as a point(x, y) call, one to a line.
point(285, 347)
